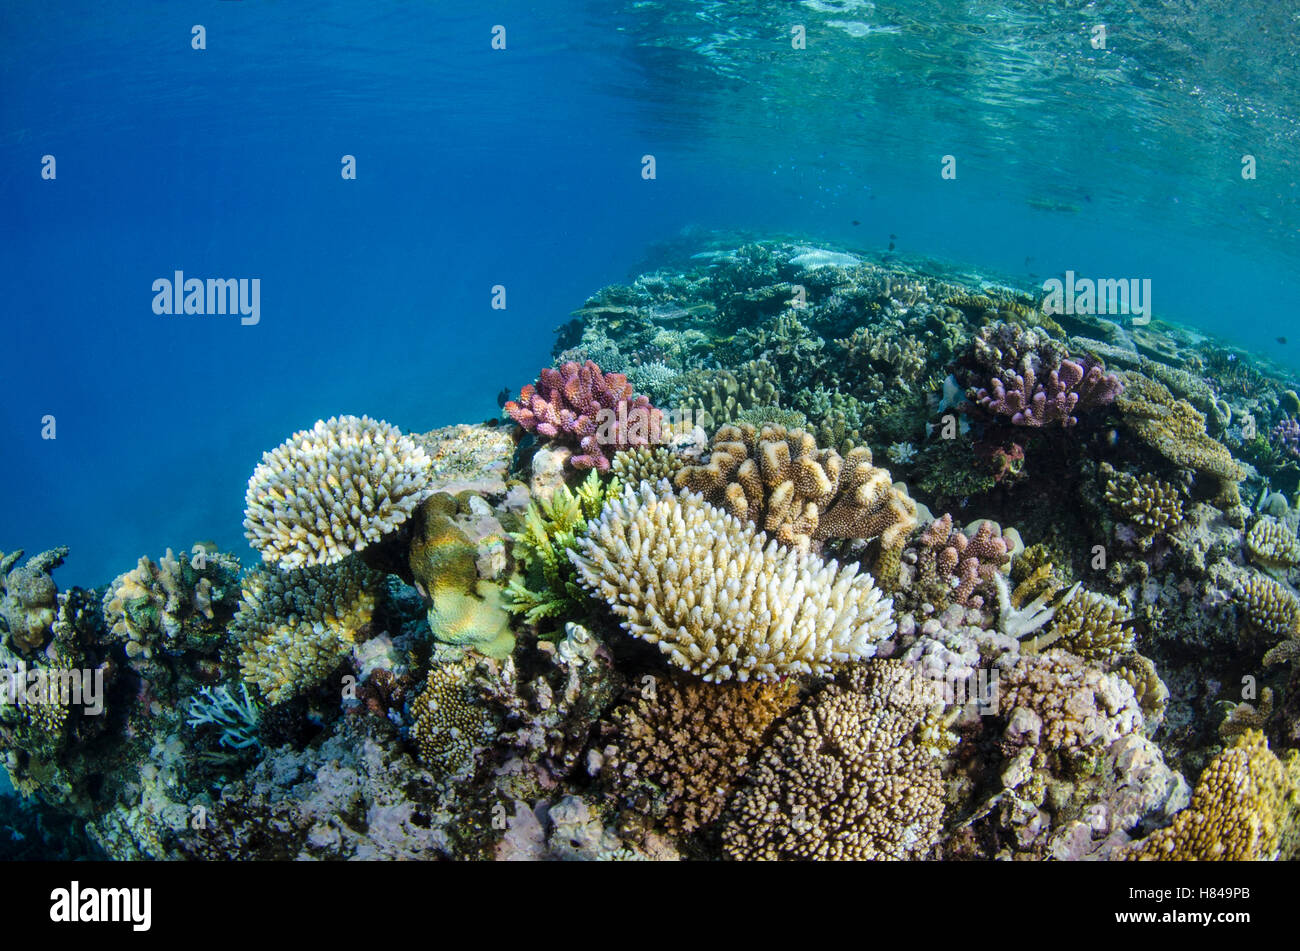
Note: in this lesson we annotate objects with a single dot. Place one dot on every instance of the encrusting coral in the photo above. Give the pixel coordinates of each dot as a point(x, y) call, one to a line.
point(592, 411)
point(684, 745)
point(844, 777)
point(295, 628)
point(779, 480)
point(28, 597)
point(1246, 807)
point(332, 490)
point(718, 598)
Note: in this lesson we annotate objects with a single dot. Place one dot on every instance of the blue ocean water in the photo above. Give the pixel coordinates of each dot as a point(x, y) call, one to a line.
point(522, 167)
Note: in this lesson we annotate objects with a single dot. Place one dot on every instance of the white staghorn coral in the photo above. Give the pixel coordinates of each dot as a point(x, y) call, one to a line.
point(719, 598)
point(331, 490)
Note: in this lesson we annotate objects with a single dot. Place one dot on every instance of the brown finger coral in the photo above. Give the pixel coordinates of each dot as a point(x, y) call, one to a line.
point(843, 778)
point(782, 482)
point(1270, 608)
point(1246, 807)
point(1152, 506)
point(1272, 546)
point(685, 745)
point(718, 598)
point(331, 490)
point(946, 566)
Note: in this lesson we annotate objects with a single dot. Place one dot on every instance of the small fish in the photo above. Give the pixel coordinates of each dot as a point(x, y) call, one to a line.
point(893, 237)
point(503, 396)
point(1282, 341)
point(891, 245)
point(856, 222)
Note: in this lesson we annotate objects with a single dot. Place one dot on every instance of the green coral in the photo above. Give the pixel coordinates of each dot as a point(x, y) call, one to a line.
point(548, 587)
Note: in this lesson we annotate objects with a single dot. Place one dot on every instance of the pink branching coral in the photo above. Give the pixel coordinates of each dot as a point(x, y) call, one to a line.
point(955, 568)
point(1027, 378)
point(595, 411)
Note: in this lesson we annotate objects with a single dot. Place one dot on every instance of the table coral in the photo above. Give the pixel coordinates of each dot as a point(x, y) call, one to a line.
point(332, 490)
point(593, 411)
point(294, 629)
point(782, 482)
point(718, 598)
point(843, 778)
point(685, 745)
point(1246, 807)
point(28, 597)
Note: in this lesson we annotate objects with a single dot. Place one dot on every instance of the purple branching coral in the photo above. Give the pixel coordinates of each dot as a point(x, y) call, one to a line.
point(1028, 378)
point(1286, 437)
point(595, 411)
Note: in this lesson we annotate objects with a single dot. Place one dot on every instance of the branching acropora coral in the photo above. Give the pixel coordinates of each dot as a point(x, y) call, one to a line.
point(1269, 607)
point(779, 480)
point(952, 568)
point(1152, 506)
point(645, 465)
point(1272, 546)
point(685, 745)
point(1246, 807)
point(237, 717)
point(295, 628)
point(332, 490)
point(843, 778)
point(593, 411)
point(1092, 625)
point(718, 598)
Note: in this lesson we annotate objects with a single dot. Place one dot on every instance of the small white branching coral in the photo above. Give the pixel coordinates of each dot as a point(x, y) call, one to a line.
point(721, 599)
point(332, 490)
point(237, 717)
point(1020, 622)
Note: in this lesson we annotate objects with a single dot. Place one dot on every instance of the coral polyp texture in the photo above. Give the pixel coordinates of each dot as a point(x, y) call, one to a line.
point(293, 629)
point(449, 721)
point(844, 778)
point(720, 599)
point(1272, 545)
point(1269, 607)
point(592, 411)
point(1093, 626)
point(331, 490)
point(782, 482)
point(1246, 807)
point(1023, 376)
point(684, 746)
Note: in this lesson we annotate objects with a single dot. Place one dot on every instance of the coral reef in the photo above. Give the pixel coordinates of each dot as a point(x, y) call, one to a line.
point(683, 746)
point(945, 566)
point(1151, 506)
point(450, 723)
point(1026, 378)
point(719, 599)
point(332, 490)
point(1272, 545)
point(1269, 607)
point(1093, 626)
